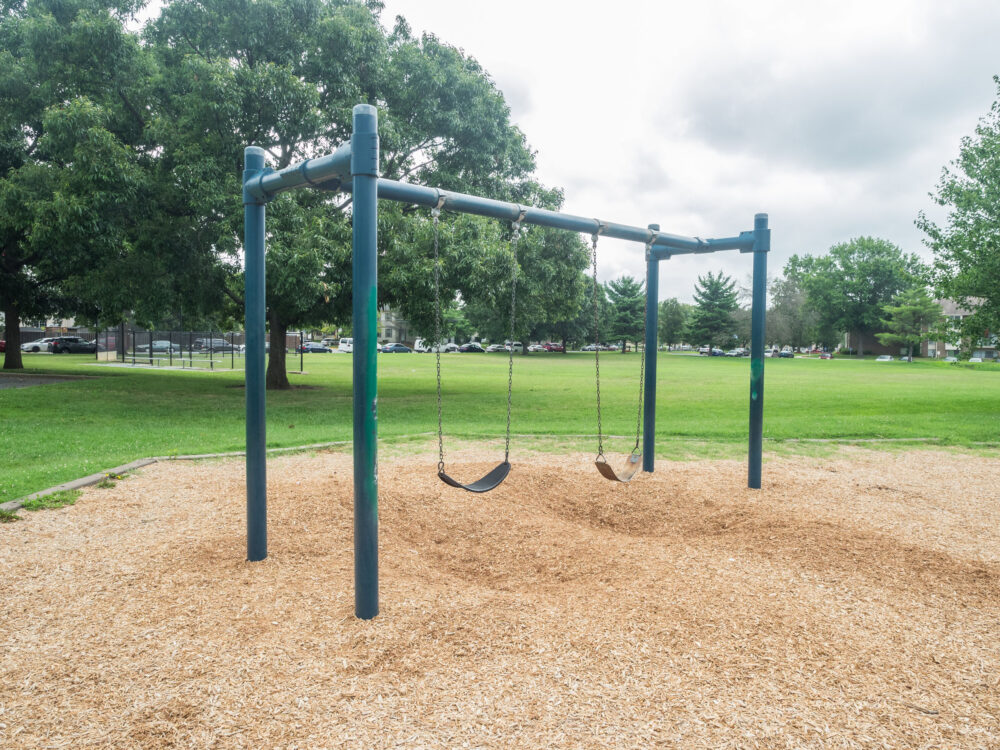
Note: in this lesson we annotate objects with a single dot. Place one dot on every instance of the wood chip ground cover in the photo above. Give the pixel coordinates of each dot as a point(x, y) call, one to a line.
point(853, 602)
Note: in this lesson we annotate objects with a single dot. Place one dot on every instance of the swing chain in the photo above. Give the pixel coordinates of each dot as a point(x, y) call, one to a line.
point(642, 358)
point(513, 307)
point(436, 214)
point(597, 338)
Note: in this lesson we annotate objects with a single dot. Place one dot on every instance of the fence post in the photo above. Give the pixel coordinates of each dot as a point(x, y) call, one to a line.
point(758, 312)
point(364, 171)
point(253, 248)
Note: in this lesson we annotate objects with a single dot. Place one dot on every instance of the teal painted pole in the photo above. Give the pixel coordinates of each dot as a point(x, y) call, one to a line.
point(253, 250)
point(649, 397)
point(761, 246)
point(364, 171)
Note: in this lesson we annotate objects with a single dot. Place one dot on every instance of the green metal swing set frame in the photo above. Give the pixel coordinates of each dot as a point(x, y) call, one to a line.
point(354, 168)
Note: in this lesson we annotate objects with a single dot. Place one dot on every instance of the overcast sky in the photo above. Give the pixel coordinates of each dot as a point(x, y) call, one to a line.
point(833, 117)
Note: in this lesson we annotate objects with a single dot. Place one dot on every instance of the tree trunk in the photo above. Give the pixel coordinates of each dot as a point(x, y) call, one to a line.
point(277, 377)
point(12, 357)
point(564, 345)
point(861, 344)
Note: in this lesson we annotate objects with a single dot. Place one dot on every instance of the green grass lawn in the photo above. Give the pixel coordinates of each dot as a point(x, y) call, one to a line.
point(52, 433)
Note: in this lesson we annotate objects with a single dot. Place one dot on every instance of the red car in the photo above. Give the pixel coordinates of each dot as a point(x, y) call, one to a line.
point(553, 347)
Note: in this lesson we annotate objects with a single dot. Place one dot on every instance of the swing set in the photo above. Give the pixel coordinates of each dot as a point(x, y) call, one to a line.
point(353, 168)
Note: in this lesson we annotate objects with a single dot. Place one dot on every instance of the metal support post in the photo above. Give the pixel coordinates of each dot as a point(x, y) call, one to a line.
point(364, 170)
point(761, 246)
point(649, 396)
point(253, 249)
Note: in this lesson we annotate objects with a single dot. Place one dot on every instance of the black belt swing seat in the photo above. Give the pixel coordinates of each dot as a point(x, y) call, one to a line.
point(494, 477)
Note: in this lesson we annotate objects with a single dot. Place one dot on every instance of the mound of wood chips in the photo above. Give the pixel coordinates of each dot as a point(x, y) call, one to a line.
point(853, 602)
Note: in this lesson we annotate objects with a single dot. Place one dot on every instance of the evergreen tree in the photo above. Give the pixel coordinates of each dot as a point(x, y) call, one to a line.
point(711, 322)
point(628, 307)
point(909, 319)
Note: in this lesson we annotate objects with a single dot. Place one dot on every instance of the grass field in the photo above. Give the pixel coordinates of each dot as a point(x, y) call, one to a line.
point(56, 432)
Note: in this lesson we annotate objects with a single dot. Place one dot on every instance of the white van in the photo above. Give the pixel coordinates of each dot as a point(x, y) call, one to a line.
point(421, 345)
point(346, 345)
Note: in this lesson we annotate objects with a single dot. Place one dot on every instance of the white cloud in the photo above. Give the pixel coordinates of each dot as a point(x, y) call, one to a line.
point(834, 117)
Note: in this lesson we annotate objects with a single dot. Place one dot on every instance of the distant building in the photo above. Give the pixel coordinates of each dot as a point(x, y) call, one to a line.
point(394, 327)
point(985, 347)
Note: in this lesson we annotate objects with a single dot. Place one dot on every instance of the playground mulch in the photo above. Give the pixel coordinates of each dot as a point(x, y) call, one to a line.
point(853, 602)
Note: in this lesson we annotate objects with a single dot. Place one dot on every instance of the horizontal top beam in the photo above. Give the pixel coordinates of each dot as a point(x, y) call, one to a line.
point(333, 172)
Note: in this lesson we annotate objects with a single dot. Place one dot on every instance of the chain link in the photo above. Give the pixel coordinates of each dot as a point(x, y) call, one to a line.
point(642, 364)
point(436, 213)
point(597, 344)
point(513, 307)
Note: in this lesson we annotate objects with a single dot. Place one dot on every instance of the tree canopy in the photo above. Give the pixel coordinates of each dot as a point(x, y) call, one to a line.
point(850, 285)
point(967, 248)
point(72, 137)
point(672, 321)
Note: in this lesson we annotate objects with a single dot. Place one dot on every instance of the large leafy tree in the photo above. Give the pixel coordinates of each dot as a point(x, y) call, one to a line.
point(672, 319)
point(967, 248)
point(712, 322)
point(628, 310)
point(284, 75)
point(912, 314)
point(791, 319)
point(849, 286)
point(72, 143)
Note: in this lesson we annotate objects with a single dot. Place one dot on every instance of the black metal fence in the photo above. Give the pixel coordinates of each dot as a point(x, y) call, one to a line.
point(207, 350)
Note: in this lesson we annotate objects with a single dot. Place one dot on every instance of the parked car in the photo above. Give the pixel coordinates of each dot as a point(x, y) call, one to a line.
point(552, 346)
point(492, 348)
point(472, 346)
point(734, 353)
point(704, 351)
point(883, 358)
point(396, 349)
point(160, 345)
point(39, 345)
point(786, 354)
point(72, 344)
point(951, 359)
point(312, 347)
point(212, 345)
point(825, 355)
point(591, 348)
point(516, 346)
point(445, 348)
point(536, 348)
point(975, 360)
point(346, 345)
point(421, 345)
